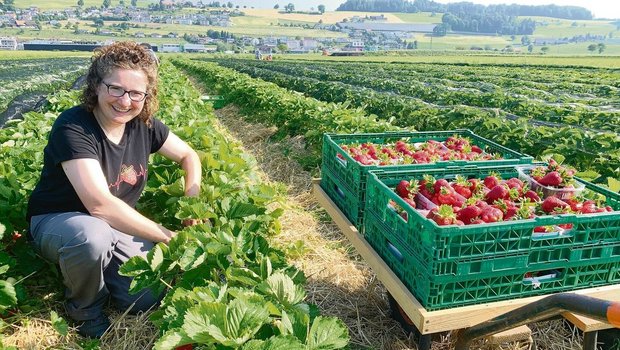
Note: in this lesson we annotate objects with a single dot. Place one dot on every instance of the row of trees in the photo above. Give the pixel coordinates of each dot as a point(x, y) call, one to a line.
point(290, 8)
point(470, 17)
point(567, 12)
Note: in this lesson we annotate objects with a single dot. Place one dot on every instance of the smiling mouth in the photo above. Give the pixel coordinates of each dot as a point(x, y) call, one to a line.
point(121, 110)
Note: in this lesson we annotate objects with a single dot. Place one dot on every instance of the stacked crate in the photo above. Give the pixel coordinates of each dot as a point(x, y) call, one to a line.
point(344, 179)
point(448, 266)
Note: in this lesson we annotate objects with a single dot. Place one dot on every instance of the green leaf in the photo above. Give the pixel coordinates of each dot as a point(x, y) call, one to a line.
point(327, 333)
point(59, 323)
point(613, 184)
point(155, 257)
point(282, 288)
point(281, 342)
point(295, 323)
point(172, 339)
point(230, 325)
point(8, 297)
point(244, 276)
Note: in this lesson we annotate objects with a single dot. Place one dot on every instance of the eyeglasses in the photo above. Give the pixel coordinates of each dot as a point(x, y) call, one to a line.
point(117, 91)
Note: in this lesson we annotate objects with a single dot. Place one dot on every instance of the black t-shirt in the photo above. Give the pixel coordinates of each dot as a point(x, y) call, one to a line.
point(76, 134)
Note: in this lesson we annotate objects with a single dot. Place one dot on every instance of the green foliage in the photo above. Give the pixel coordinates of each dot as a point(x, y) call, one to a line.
point(59, 323)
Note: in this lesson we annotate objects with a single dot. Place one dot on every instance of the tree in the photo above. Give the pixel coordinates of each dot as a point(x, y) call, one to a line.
point(592, 47)
point(80, 3)
point(530, 48)
point(544, 49)
point(276, 6)
point(134, 3)
point(282, 48)
point(121, 2)
point(106, 3)
point(601, 47)
point(98, 22)
point(289, 8)
point(321, 9)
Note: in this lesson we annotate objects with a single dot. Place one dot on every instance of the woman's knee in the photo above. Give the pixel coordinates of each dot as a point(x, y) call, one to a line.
point(90, 236)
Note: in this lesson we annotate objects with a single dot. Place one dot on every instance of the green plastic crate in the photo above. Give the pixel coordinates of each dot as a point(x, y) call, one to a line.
point(430, 242)
point(503, 283)
point(353, 175)
point(344, 199)
point(390, 246)
point(216, 101)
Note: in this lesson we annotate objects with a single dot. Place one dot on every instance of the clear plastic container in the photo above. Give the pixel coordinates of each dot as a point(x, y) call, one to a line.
point(548, 191)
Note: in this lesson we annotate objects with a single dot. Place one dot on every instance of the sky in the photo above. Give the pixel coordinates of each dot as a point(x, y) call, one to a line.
point(600, 8)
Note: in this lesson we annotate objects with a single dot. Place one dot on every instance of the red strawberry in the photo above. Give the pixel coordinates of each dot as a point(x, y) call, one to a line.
point(491, 181)
point(496, 193)
point(468, 214)
point(474, 185)
point(440, 183)
point(574, 204)
point(491, 214)
point(443, 215)
point(588, 207)
point(532, 196)
point(128, 175)
point(410, 202)
point(553, 204)
point(461, 186)
point(551, 179)
point(403, 189)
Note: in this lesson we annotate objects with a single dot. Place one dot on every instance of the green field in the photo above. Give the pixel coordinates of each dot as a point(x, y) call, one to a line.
point(420, 17)
point(61, 4)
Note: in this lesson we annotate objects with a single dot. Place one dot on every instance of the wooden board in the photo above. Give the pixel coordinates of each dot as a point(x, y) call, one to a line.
point(586, 324)
point(429, 322)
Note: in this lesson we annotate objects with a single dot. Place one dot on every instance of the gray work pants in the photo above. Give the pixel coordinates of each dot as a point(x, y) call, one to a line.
point(89, 253)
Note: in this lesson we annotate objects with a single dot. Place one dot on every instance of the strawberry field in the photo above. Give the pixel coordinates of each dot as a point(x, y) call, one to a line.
point(227, 284)
point(21, 76)
point(572, 111)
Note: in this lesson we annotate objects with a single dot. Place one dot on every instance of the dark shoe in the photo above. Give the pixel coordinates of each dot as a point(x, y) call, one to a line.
point(94, 328)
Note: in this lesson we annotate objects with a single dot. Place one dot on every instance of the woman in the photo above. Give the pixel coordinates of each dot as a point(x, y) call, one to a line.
point(81, 212)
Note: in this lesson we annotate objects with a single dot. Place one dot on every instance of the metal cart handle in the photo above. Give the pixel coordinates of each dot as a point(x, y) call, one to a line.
point(599, 309)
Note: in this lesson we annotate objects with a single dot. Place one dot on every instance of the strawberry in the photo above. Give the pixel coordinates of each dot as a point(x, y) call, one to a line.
point(443, 215)
point(514, 183)
point(553, 204)
point(406, 189)
point(496, 193)
point(588, 207)
point(469, 214)
point(461, 186)
point(551, 179)
point(441, 183)
point(491, 181)
point(574, 204)
point(128, 175)
point(491, 214)
point(476, 149)
point(532, 196)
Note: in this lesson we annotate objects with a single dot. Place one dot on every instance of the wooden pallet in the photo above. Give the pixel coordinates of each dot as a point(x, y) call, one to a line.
point(428, 322)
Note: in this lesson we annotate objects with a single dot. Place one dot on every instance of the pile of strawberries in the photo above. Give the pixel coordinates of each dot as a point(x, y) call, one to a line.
point(473, 201)
point(401, 152)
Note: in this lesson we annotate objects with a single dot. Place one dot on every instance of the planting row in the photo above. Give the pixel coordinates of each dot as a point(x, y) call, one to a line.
point(584, 149)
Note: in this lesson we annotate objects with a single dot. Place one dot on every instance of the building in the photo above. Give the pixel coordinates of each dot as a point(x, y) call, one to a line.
point(61, 45)
point(8, 43)
point(171, 48)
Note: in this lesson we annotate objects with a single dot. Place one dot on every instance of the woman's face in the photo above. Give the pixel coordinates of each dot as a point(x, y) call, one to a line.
point(121, 109)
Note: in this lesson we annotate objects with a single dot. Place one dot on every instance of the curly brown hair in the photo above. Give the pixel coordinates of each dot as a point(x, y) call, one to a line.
point(122, 55)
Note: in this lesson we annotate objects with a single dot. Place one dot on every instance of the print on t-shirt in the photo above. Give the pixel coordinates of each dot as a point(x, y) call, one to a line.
point(129, 175)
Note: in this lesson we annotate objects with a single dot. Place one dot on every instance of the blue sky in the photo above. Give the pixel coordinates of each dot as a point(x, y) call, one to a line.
point(600, 8)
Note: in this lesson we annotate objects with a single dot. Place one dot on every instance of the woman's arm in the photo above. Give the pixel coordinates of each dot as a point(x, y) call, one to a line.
point(89, 182)
point(177, 150)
